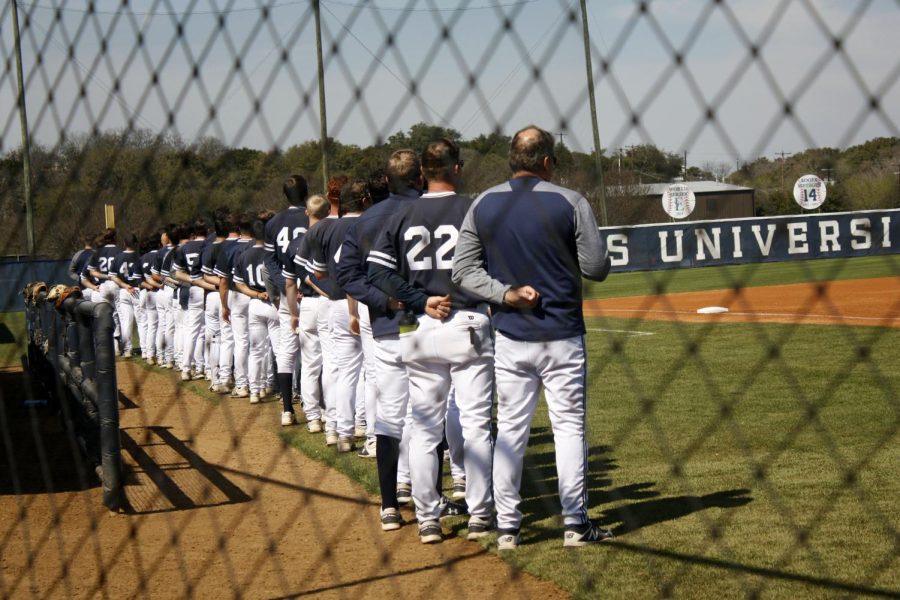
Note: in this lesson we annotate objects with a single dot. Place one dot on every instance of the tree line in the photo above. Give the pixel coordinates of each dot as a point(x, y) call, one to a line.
point(153, 179)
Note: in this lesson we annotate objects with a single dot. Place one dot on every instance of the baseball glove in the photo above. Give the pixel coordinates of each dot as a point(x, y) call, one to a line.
point(32, 290)
point(55, 291)
point(72, 291)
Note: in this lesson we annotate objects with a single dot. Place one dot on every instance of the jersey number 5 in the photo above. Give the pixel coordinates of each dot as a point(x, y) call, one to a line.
point(443, 256)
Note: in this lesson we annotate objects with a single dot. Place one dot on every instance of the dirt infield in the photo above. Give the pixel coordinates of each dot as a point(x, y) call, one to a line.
point(869, 302)
point(220, 508)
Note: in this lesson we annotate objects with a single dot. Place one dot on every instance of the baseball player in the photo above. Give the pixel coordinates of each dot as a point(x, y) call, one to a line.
point(304, 316)
point(451, 345)
point(86, 281)
point(149, 289)
point(99, 267)
point(281, 230)
point(524, 246)
point(379, 318)
point(235, 335)
point(122, 274)
point(249, 278)
point(165, 325)
point(341, 354)
point(187, 269)
point(211, 322)
point(228, 231)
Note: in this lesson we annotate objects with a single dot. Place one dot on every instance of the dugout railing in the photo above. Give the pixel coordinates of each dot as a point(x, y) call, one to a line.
point(70, 353)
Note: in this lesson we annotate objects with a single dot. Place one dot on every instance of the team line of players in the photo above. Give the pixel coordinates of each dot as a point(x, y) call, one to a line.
point(398, 308)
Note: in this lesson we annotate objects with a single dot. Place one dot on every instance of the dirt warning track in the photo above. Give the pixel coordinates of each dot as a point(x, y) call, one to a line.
point(220, 507)
point(866, 302)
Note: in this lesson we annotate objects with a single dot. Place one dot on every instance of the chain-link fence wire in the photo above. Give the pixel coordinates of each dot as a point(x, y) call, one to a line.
point(167, 111)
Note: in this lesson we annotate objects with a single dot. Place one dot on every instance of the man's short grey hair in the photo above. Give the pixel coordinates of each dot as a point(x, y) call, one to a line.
point(528, 148)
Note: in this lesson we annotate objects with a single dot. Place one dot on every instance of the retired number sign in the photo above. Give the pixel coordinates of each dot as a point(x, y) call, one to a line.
point(678, 201)
point(809, 192)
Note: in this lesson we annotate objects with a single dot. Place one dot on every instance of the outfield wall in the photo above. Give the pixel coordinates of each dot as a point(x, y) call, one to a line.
point(650, 247)
point(753, 240)
point(15, 273)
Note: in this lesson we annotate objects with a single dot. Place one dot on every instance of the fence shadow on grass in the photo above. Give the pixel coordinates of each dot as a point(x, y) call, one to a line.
point(643, 507)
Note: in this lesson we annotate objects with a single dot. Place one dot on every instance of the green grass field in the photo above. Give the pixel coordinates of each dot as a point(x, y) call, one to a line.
point(730, 459)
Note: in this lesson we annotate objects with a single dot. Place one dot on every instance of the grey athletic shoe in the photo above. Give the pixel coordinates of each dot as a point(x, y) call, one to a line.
point(584, 534)
point(331, 438)
point(391, 519)
point(430, 532)
point(404, 493)
point(240, 392)
point(507, 539)
point(345, 444)
point(459, 489)
point(479, 528)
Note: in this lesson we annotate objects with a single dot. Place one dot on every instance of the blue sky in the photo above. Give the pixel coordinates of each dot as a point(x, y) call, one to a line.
point(830, 92)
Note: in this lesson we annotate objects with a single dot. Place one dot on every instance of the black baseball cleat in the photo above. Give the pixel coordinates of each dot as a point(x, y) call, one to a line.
point(584, 534)
point(451, 508)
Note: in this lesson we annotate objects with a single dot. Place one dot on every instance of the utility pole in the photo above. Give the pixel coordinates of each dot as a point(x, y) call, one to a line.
point(323, 121)
point(898, 184)
point(561, 134)
point(782, 154)
point(685, 166)
point(26, 147)
point(586, 36)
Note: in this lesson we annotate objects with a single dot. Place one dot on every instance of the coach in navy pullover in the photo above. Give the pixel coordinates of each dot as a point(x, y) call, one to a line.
point(523, 247)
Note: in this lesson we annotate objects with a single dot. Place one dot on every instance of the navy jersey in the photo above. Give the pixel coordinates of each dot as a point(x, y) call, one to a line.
point(321, 251)
point(102, 259)
point(228, 256)
point(418, 244)
point(81, 266)
point(159, 262)
point(209, 255)
point(123, 267)
point(361, 238)
point(528, 231)
point(281, 230)
point(187, 259)
point(295, 271)
point(250, 268)
point(146, 263)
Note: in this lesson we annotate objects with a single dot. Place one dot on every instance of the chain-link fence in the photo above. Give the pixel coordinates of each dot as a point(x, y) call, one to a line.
point(751, 451)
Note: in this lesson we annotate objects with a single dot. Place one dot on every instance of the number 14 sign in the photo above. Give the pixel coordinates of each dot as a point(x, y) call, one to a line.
point(809, 192)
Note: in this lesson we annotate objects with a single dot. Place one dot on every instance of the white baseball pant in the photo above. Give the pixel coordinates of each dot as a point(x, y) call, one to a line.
point(165, 333)
point(367, 411)
point(310, 357)
point(456, 351)
point(392, 415)
point(125, 308)
point(329, 368)
point(192, 331)
point(453, 432)
point(263, 324)
point(348, 362)
point(239, 306)
point(521, 368)
point(212, 335)
point(151, 322)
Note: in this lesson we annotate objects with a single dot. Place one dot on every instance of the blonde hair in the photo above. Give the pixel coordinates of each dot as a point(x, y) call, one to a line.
point(318, 206)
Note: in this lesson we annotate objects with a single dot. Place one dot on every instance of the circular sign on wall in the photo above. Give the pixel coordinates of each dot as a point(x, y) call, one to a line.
point(678, 201)
point(809, 192)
